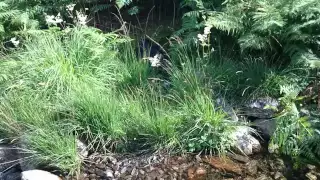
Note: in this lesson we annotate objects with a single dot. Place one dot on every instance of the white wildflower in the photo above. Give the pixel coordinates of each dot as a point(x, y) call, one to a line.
point(70, 7)
point(155, 61)
point(202, 37)
point(82, 18)
point(53, 20)
point(50, 20)
point(212, 50)
point(207, 30)
point(59, 18)
point(14, 41)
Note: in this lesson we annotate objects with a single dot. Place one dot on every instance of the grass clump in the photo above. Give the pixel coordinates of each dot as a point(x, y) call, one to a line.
point(80, 83)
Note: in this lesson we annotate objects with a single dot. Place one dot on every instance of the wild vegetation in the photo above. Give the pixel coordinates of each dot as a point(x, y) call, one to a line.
point(62, 79)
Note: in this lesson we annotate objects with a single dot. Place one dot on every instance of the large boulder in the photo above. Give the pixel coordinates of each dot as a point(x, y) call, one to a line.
point(38, 175)
point(266, 127)
point(9, 163)
point(244, 142)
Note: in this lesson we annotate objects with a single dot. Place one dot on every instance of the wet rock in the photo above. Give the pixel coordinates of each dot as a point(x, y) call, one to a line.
point(224, 164)
point(261, 108)
point(82, 149)
point(252, 167)
point(311, 176)
point(244, 142)
point(39, 175)
point(266, 126)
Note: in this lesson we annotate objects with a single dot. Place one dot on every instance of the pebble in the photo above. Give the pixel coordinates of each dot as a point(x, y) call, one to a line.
point(252, 167)
point(201, 171)
point(109, 173)
point(123, 170)
point(141, 172)
point(101, 166)
point(311, 176)
point(92, 176)
point(278, 175)
point(100, 172)
point(91, 170)
point(311, 167)
point(112, 160)
point(176, 168)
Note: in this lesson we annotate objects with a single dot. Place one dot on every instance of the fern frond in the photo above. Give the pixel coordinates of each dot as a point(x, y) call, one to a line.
point(253, 42)
point(8, 14)
point(225, 22)
point(267, 18)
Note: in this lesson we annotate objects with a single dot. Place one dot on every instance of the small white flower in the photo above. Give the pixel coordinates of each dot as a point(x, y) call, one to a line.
point(207, 30)
point(53, 20)
point(70, 7)
point(82, 18)
point(202, 38)
point(212, 50)
point(14, 41)
point(58, 18)
point(156, 60)
point(50, 20)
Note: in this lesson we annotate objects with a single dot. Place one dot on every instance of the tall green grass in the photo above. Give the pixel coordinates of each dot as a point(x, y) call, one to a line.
point(85, 84)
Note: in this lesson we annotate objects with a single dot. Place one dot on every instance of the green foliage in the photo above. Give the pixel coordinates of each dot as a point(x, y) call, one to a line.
point(42, 79)
point(282, 28)
point(82, 82)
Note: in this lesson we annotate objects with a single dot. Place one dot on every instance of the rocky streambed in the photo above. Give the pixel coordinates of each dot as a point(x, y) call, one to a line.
point(162, 166)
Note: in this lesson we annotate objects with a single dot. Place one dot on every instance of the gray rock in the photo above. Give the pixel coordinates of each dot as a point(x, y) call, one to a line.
point(82, 149)
point(10, 154)
point(262, 108)
point(38, 175)
point(267, 126)
point(244, 141)
point(100, 172)
point(9, 163)
point(109, 173)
